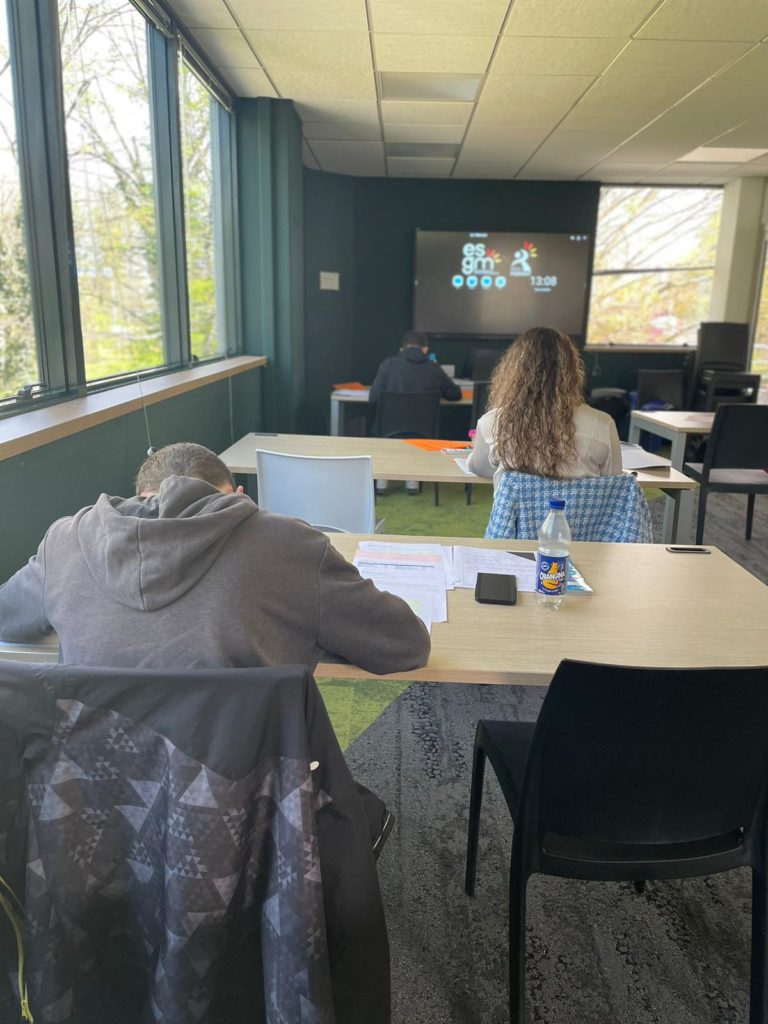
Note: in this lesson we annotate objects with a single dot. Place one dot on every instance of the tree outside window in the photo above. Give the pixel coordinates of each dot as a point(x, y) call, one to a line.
point(18, 346)
point(109, 144)
point(654, 264)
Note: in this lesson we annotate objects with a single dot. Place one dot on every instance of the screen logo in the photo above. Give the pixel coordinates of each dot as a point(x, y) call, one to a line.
point(521, 261)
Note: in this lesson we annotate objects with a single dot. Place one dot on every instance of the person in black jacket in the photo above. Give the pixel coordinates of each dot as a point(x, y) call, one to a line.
point(411, 371)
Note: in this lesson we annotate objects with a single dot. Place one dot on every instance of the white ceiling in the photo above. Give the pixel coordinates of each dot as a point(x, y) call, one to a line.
point(612, 90)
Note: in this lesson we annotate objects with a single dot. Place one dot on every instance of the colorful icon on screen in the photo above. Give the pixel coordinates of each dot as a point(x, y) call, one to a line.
point(471, 281)
point(457, 281)
point(501, 282)
point(485, 282)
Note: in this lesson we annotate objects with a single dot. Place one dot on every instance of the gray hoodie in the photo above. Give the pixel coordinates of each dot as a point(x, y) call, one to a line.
point(196, 578)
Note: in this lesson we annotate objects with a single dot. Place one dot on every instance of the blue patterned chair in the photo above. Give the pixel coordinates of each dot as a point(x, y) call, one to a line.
point(602, 508)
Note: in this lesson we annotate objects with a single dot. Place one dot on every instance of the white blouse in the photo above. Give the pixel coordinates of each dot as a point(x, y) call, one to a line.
point(598, 451)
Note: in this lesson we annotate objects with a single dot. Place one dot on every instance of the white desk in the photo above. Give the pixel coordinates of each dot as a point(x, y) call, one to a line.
point(395, 459)
point(649, 608)
point(340, 402)
point(673, 426)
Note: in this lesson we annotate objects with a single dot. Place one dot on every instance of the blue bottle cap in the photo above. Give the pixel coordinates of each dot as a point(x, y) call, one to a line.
point(557, 503)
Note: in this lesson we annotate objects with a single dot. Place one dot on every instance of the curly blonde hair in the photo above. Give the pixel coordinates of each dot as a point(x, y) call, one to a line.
point(536, 388)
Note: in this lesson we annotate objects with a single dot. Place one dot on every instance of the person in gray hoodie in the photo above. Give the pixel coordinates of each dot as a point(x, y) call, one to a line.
point(190, 573)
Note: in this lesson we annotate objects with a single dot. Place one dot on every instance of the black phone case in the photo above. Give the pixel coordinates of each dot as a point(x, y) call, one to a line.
point(488, 598)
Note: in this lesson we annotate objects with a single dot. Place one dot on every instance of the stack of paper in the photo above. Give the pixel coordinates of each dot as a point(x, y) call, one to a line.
point(468, 562)
point(635, 457)
point(418, 573)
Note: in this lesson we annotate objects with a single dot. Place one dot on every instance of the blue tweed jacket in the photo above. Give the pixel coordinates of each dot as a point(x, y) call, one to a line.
point(602, 508)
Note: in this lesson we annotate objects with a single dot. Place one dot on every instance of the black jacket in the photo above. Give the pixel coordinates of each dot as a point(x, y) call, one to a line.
point(196, 849)
point(410, 371)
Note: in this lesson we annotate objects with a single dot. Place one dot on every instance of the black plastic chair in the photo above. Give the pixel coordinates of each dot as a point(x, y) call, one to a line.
point(405, 414)
point(735, 461)
point(660, 386)
point(632, 774)
point(484, 362)
point(479, 407)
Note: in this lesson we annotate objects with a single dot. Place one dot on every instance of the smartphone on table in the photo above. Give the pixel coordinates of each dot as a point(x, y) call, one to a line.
point(495, 588)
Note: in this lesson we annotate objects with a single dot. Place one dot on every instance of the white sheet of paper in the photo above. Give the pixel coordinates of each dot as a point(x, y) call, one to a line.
point(444, 550)
point(468, 562)
point(635, 457)
point(403, 572)
point(462, 464)
point(361, 394)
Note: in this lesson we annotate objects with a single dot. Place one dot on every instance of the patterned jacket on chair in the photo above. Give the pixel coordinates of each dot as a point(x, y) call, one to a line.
point(189, 848)
point(601, 508)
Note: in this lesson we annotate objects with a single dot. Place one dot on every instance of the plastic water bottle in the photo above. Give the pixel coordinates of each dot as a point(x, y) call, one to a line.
point(552, 557)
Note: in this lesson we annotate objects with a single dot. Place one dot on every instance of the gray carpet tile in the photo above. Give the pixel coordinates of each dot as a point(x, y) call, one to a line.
point(598, 953)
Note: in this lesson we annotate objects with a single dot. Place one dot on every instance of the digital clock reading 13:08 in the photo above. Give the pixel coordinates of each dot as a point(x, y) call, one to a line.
point(544, 281)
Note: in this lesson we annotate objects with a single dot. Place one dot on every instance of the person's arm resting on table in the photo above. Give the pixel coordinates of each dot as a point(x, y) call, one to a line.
point(22, 614)
point(365, 626)
point(448, 388)
point(479, 459)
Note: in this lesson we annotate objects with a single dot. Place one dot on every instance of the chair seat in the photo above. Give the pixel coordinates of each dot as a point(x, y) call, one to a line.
point(506, 745)
point(730, 477)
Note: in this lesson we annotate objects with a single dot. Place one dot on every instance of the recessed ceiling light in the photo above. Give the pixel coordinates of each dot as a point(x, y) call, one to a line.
point(721, 155)
point(423, 86)
point(423, 149)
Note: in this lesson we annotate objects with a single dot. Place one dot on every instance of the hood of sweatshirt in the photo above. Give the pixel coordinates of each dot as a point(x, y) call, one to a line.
point(148, 552)
point(414, 354)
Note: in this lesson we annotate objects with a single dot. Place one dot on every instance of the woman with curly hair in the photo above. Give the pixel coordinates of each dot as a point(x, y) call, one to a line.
point(538, 421)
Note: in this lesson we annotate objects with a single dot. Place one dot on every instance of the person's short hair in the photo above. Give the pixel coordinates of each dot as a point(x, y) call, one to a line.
point(182, 459)
point(414, 338)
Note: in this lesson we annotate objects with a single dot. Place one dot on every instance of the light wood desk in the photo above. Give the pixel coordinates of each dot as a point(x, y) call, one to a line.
point(649, 607)
point(395, 459)
point(673, 426)
point(340, 403)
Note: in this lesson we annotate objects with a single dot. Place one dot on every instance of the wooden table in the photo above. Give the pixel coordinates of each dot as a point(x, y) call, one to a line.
point(395, 459)
point(673, 426)
point(649, 608)
point(339, 405)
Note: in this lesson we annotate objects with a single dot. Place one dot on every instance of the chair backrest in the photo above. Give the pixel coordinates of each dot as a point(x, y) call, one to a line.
point(484, 362)
point(479, 400)
point(660, 386)
point(739, 438)
point(613, 401)
point(598, 508)
point(319, 489)
point(722, 346)
point(648, 755)
point(195, 792)
point(403, 413)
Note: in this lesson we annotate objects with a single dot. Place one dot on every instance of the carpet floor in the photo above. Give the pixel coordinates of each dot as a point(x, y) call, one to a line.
point(598, 953)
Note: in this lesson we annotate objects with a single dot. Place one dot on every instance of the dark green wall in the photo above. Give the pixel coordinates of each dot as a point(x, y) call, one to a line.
point(365, 229)
point(59, 478)
point(619, 369)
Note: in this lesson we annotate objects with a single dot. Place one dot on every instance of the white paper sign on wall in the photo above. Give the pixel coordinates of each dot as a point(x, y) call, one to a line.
point(329, 281)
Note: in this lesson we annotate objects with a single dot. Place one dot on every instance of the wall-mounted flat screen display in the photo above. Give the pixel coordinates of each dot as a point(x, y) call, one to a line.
point(500, 282)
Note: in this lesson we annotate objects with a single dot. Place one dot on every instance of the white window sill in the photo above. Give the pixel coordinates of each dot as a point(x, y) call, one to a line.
point(22, 433)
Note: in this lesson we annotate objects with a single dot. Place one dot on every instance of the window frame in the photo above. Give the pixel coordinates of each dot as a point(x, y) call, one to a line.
point(47, 211)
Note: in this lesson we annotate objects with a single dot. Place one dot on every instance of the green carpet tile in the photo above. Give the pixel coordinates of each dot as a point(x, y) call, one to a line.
point(355, 704)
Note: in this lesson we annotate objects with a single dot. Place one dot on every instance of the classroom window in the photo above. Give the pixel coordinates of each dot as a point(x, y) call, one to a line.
point(654, 264)
point(201, 215)
point(112, 184)
point(19, 364)
point(760, 337)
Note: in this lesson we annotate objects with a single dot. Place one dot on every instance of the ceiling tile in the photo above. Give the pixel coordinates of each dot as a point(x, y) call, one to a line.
point(532, 173)
point(675, 58)
point(652, 94)
point(515, 147)
point(609, 177)
point(637, 169)
point(414, 150)
point(543, 55)
point(599, 140)
point(418, 87)
point(640, 150)
point(628, 119)
point(708, 19)
point(753, 133)
point(752, 67)
point(342, 132)
point(443, 54)
point(350, 157)
point(203, 13)
point(451, 17)
point(501, 112)
point(424, 132)
point(227, 48)
point(339, 111)
point(688, 174)
point(302, 15)
point(399, 112)
point(577, 17)
point(249, 82)
point(434, 167)
point(310, 66)
point(536, 90)
point(499, 169)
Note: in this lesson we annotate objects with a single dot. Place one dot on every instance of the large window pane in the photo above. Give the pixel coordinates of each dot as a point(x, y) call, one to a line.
point(109, 142)
point(18, 347)
point(197, 107)
point(654, 264)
